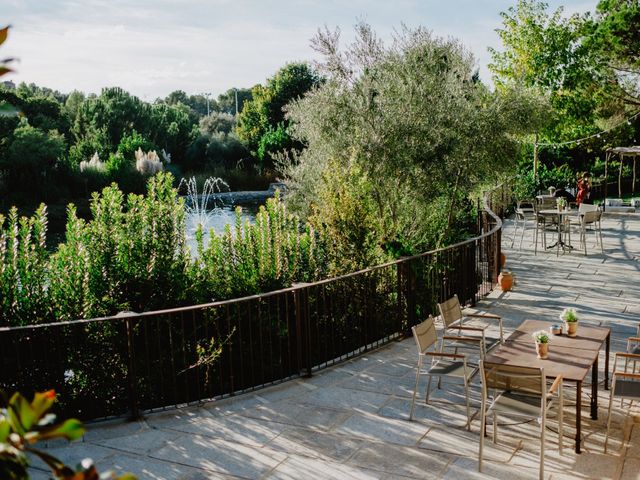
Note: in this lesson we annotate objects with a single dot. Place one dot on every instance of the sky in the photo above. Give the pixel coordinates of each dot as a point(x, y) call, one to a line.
point(153, 47)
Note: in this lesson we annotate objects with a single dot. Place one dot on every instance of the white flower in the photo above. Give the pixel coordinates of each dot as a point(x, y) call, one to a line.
point(541, 336)
point(569, 315)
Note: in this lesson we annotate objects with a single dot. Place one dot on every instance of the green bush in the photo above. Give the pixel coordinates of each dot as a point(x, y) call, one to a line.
point(272, 253)
point(133, 255)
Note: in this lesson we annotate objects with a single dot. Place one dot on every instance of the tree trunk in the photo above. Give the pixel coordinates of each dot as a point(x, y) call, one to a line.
point(451, 206)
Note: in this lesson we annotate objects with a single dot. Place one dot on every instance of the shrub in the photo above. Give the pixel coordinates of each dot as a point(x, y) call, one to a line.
point(272, 253)
point(24, 296)
point(133, 255)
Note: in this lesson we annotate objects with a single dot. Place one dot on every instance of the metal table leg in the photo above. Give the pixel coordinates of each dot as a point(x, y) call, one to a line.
point(578, 414)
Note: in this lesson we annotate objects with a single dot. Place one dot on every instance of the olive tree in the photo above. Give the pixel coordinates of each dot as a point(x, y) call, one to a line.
point(397, 138)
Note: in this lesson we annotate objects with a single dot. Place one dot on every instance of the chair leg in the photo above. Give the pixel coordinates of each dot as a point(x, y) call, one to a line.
point(535, 241)
point(561, 419)
point(483, 423)
point(584, 241)
point(495, 428)
point(606, 437)
point(515, 231)
point(542, 435)
point(466, 394)
point(426, 399)
point(524, 229)
point(415, 390)
point(600, 234)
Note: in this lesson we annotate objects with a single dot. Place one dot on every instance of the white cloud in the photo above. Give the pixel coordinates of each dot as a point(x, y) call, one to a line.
point(154, 47)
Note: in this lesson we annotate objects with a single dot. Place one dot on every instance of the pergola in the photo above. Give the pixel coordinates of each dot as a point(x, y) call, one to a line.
point(622, 152)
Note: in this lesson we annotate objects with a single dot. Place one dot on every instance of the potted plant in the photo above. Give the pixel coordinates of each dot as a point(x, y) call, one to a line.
point(570, 317)
point(541, 338)
point(561, 203)
point(505, 279)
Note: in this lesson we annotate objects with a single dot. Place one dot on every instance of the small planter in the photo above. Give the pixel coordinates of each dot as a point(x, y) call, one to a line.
point(570, 318)
point(572, 328)
point(542, 350)
point(505, 279)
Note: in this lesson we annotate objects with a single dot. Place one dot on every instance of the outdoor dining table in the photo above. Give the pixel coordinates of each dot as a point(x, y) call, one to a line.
point(561, 214)
point(571, 357)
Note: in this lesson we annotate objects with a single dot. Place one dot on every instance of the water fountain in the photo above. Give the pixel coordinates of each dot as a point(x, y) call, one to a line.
point(202, 208)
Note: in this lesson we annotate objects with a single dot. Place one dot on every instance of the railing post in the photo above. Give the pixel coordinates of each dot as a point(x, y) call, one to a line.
point(303, 339)
point(408, 277)
point(132, 381)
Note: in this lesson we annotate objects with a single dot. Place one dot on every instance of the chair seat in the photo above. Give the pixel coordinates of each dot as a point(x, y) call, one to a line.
point(449, 368)
point(510, 403)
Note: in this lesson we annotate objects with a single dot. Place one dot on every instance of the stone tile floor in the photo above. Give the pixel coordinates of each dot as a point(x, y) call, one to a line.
point(351, 421)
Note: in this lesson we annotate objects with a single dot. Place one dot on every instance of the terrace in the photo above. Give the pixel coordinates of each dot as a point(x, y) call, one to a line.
point(351, 420)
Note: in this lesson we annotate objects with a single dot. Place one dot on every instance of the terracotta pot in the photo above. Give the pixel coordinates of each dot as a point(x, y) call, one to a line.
point(503, 259)
point(572, 328)
point(542, 349)
point(505, 279)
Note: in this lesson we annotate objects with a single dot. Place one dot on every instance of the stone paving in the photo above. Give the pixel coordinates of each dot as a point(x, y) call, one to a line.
point(351, 421)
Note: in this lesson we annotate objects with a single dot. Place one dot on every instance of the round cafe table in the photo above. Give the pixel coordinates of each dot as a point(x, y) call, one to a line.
point(562, 215)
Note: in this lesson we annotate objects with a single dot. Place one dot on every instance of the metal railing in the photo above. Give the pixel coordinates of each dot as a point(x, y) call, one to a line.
point(129, 363)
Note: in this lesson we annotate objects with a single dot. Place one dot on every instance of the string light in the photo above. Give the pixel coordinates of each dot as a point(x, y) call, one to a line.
point(595, 135)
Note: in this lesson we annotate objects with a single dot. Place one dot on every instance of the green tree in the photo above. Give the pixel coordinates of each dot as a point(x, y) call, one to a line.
point(546, 51)
point(265, 113)
point(130, 143)
point(397, 139)
point(227, 100)
point(217, 122)
point(615, 37)
point(73, 104)
point(30, 159)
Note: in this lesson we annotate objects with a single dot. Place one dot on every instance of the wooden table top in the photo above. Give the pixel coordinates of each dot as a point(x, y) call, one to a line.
point(572, 363)
point(588, 337)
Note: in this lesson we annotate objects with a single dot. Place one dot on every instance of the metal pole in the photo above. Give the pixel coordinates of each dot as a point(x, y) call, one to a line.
point(606, 178)
point(235, 90)
point(535, 158)
point(131, 370)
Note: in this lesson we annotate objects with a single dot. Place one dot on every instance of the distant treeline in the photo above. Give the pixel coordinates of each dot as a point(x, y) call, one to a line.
point(47, 142)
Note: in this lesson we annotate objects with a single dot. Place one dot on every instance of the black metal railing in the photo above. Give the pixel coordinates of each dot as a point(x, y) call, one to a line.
point(133, 362)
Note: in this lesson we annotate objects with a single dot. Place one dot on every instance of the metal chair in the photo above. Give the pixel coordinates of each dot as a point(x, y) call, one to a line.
point(453, 319)
point(593, 219)
point(625, 385)
point(525, 213)
point(544, 224)
point(443, 364)
point(519, 392)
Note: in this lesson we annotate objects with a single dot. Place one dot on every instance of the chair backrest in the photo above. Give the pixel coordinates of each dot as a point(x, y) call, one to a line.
point(525, 205)
point(590, 216)
point(546, 201)
point(450, 311)
point(425, 334)
point(524, 380)
point(626, 387)
point(585, 207)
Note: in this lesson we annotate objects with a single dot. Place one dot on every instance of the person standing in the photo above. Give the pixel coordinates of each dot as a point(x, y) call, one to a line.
point(584, 189)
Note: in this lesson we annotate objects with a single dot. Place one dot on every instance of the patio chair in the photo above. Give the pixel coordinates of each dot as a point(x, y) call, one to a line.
point(633, 346)
point(525, 214)
point(453, 318)
point(591, 220)
point(519, 392)
point(625, 385)
point(443, 364)
point(544, 224)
